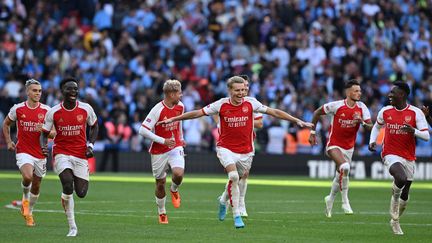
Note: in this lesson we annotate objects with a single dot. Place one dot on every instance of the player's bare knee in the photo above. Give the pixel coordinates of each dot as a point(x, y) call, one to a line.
point(27, 178)
point(81, 193)
point(177, 175)
point(160, 184)
point(35, 188)
point(233, 176)
point(345, 168)
point(68, 187)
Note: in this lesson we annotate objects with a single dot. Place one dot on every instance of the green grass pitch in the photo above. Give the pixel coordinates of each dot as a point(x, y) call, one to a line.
point(121, 208)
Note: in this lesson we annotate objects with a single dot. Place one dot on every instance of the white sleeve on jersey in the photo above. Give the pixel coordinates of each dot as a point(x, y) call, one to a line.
point(332, 107)
point(365, 111)
point(380, 117)
point(12, 113)
point(256, 105)
point(150, 135)
point(152, 118)
point(49, 120)
point(422, 129)
point(91, 115)
point(376, 128)
point(213, 108)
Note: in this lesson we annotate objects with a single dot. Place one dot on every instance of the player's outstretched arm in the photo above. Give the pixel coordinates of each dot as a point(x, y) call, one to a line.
point(285, 116)
point(316, 116)
point(6, 132)
point(93, 132)
point(185, 116)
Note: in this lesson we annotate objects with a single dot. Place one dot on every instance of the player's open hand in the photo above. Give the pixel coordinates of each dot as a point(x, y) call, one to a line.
point(305, 124)
point(408, 128)
point(89, 152)
point(372, 147)
point(170, 142)
point(425, 110)
point(166, 121)
point(45, 150)
point(39, 127)
point(11, 146)
point(312, 139)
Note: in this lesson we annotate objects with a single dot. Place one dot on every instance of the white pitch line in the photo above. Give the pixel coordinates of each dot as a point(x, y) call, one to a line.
point(138, 214)
point(215, 201)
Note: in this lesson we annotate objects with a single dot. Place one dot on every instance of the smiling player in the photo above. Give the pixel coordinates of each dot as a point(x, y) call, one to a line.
point(71, 150)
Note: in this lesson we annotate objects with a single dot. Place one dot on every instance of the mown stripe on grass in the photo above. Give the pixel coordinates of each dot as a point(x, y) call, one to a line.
point(265, 182)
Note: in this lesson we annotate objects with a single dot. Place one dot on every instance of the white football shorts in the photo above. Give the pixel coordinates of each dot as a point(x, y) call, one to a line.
point(243, 162)
point(347, 153)
point(39, 165)
point(408, 165)
point(78, 166)
point(161, 162)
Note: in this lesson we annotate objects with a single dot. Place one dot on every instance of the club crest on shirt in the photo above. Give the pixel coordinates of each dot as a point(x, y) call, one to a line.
point(41, 116)
point(80, 118)
point(245, 109)
point(357, 115)
point(178, 113)
point(407, 119)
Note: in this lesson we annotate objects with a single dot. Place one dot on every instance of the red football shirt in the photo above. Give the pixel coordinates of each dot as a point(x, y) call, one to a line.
point(236, 123)
point(396, 141)
point(70, 126)
point(343, 128)
point(26, 120)
point(162, 112)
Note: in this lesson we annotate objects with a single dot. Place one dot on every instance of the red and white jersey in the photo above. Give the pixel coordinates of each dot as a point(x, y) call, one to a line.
point(70, 126)
point(396, 141)
point(162, 112)
point(26, 119)
point(344, 127)
point(236, 123)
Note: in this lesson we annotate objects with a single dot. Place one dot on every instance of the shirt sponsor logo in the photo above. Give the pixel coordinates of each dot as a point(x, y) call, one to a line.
point(70, 130)
point(236, 121)
point(28, 126)
point(148, 120)
point(395, 129)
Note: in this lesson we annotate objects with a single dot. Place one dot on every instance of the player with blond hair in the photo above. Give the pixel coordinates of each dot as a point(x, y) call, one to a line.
point(167, 145)
point(28, 117)
point(235, 145)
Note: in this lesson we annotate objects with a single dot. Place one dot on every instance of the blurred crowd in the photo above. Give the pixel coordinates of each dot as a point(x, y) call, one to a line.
point(297, 53)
